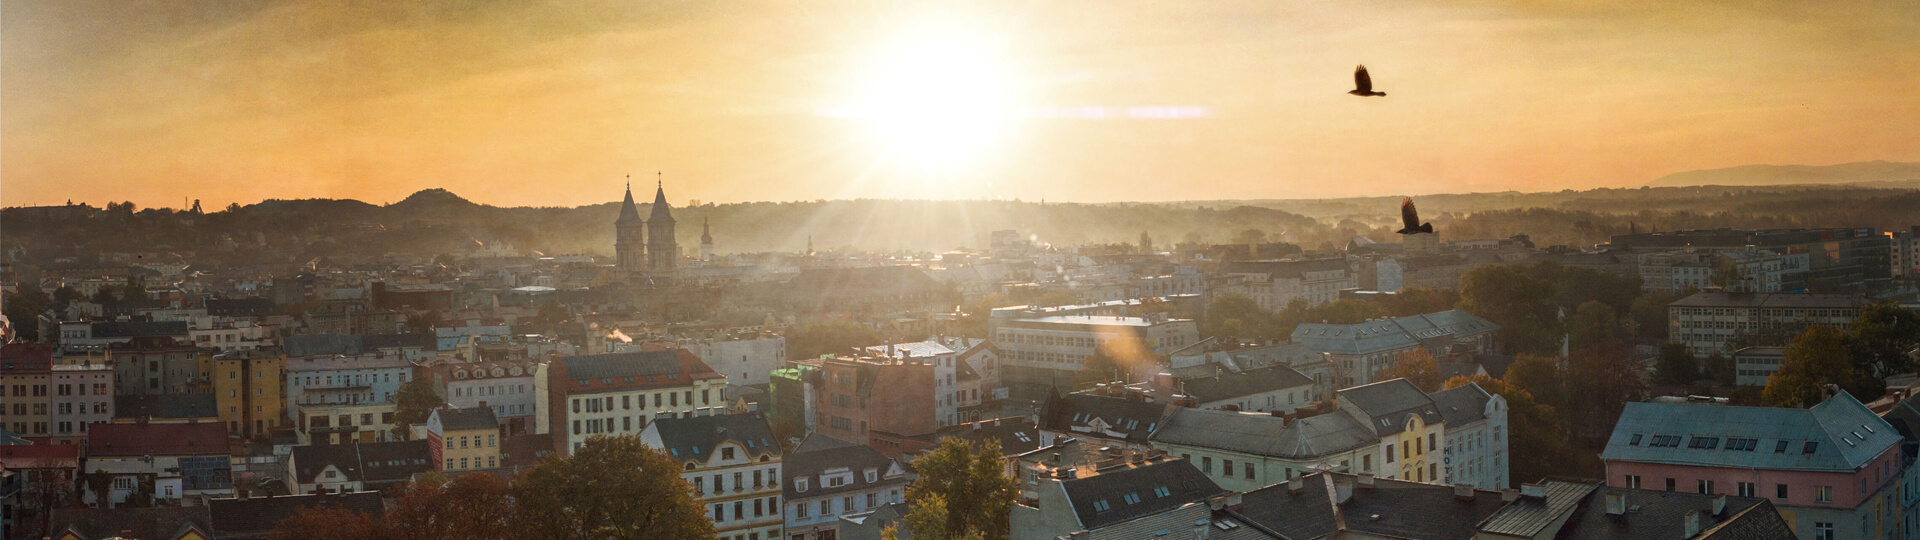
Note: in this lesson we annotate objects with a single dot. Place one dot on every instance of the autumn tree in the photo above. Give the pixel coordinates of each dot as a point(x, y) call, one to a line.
point(1600, 381)
point(611, 488)
point(67, 294)
point(1814, 359)
point(1537, 435)
point(472, 506)
point(1577, 285)
point(1719, 368)
point(1412, 301)
point(1236, 316)
point(1416, 367)
point(1882, 339)
point(1649, 315)
point(1521, 304)
point(326, 522)
point(1540, 376)
point(928, 521)
point(413, 403)
point(960, 492)
point(23, 310)
point(1102, 367)
point(1593, 324)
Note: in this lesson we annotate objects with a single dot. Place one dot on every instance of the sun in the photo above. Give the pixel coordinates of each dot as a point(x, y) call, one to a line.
point(932, 96)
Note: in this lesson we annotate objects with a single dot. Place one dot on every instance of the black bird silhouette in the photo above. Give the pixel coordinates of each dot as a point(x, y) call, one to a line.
point(1363, 84)
point(1411, 217)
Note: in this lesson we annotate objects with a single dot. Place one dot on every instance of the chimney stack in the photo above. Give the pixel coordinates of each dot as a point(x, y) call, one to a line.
point(1690, 524)
point(1296, 485)
point(1366, 481)
point(1533, 491)
point(1463, 492)
point(1616, 503)
point(1719, 505)
point(1509, 495)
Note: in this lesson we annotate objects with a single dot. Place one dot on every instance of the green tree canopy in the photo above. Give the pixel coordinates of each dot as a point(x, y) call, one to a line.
point(1814, 359)
point(1236, 316)
point(1593, 324)
point(965, 480)
point(1676, 364)
point(1882, 339)
point(611, 488)
point(1416, 367)
point(413, 403)
point(1520, 303)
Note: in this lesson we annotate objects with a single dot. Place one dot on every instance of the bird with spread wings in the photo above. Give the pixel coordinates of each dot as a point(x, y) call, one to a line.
point(1411, 218)
point(1363, 84)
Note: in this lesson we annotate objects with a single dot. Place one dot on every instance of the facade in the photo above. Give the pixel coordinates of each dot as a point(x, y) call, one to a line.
point(461, 440)
point(1837, 259)
point(81, 396)
point(1051, 350)
point(344, 380)
point(621, 393)
point(178, 462)
point(341, 423)
point(1905, 252)
point(734, 465)
point(1359, 352)
point(1275, 284)
point(1475, 451)
point(248, 387)
point(860, 395)
point(1833, 470)
point(949, 373)
point(1076, 499)
point(356, 467)
point(663, 251)
point(1706, 322)
point(505, 386)
point(629, 233)
point(825, 479)
point(745, 358)
point(1425, 271)
point(1753, 365)
point(1269, 389)
point(146, 366)
point(25, 405)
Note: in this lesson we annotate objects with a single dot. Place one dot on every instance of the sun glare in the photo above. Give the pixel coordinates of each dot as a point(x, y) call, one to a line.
point(932, 97)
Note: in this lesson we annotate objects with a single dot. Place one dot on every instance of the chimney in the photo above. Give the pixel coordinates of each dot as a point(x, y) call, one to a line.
point(1690, 524)
point(1200, 529)
point(1616, 503)
point(1463, 492)
point(1296, 485)
point(1533, 491)
point(1509, 495)
point(1719, 504)
point(1365, 481)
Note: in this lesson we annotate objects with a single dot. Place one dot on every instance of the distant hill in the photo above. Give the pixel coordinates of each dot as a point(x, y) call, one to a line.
point(1775, 175)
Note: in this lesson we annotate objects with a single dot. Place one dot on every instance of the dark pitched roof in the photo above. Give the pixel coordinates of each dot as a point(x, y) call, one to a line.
point(628, 212)
point(166, 406)
point(1389, 403)
point(1016, 435)
point(465, 419)
point(229, 307)
point(1133, 418)
point(1232, 385)
point(1265, 435)
point(659, 213)
point(157, 439)
point(674, 367)
point(155, 522)
point(1390, 509)
point(255, 517)
point(1182, 484)
point(820, 453)
point(139, 329)
point(364, 462)
point(694, 439)
point(1462, 405)
point(1529, 516)
point(1658, 514)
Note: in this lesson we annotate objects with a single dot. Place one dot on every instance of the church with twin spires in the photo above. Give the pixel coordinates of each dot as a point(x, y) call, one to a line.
point(646, 246)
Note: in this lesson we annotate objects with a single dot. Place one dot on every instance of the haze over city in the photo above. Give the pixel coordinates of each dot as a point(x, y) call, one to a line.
point(525, 104)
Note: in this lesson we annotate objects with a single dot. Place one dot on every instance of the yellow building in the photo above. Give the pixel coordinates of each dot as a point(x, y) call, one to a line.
point(248, 388)
point(464, 439)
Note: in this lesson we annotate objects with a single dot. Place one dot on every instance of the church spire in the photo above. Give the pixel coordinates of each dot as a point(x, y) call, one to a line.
point(628, 213)
point(660, 213)
point(706, 232)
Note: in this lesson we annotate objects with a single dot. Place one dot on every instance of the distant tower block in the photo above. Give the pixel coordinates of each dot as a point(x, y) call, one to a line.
point(706, 240)
point(629, 236)
point(663, 252)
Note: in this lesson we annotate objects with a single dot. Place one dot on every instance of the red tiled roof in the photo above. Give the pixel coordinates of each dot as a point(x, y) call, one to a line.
point(156, 439)
point(40, 456)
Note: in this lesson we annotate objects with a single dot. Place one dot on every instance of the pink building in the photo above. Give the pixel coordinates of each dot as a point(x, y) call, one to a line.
point(1834, 470)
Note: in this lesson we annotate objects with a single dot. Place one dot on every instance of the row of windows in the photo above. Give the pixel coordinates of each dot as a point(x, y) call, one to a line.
point(355, 380)
point(826, 507)
point(768, 477)
point(760, 509)
point(492, 462)
point(476, 441)
point(489, 390)
point(671, 399)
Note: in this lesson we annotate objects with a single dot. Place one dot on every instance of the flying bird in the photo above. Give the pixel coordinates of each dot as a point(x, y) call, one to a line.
point(1411, 217)
point(1363, 84)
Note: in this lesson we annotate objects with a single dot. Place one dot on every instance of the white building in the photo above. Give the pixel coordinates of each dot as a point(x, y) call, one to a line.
point(1053, 349)
point(1707, 321)
point(733, 463)
point(1476, 437)
point(621, 393)
point(1275, 284)
point(744, 357)
point(827, 478)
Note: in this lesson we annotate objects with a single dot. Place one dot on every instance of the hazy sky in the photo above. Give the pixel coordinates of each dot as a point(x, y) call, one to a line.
point(553, 103)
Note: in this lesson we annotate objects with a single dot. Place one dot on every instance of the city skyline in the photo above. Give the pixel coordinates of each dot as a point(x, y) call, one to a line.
point(536, 106)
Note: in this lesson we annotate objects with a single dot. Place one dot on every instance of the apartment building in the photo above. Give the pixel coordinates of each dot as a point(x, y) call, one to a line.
point(1051, 350)
point(734, 465)
point(249, 389)
point(622, 393)
point(1706, 322)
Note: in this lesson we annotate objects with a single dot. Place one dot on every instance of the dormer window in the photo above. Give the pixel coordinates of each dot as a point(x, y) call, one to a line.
point(726, 453)
point(873, 476)
point(800, 485)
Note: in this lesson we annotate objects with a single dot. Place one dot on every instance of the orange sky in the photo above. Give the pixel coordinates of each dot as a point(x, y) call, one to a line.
point(552, 103)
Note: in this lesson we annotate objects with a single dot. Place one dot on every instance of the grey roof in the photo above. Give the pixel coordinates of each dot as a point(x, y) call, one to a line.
point(1390, 509)
point(465, 419)
point(1291, 269)
point(154, 522)
point(1016, 435)
point(820, 453)
point(601, 366)
point(1264, 435)
point(1234, 385)
point(695, 438)
point(1845, 434)
point(628, 213)
point(1388, 404)
point(1390, 333)
point(1658, 514)
point(1462, 405)
point(1184, 484)
point(1527, 517)
point(1175, 524)
point(659, 213)
point(383, 462)
point(1135, 418)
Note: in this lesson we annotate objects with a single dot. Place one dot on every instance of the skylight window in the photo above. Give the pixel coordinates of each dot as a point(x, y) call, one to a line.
point(1811, 446)
point(1131, 498)
point(1635, 441)
point(1162, 492)
point(1780, 448)
point(1704, 443)
point(1101, 506)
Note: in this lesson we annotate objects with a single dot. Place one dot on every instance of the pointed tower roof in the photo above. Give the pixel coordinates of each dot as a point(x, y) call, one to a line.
point(660, 211)
point(628, 213)
point(706, 236)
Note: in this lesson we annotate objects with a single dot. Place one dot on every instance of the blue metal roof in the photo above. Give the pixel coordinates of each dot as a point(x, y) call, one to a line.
point(1843, 433)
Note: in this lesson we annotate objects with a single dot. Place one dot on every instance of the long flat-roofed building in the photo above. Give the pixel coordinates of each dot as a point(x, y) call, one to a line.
point(1837, 259)
point(1707, 321)
point(1051, 350)
point(622, 393)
